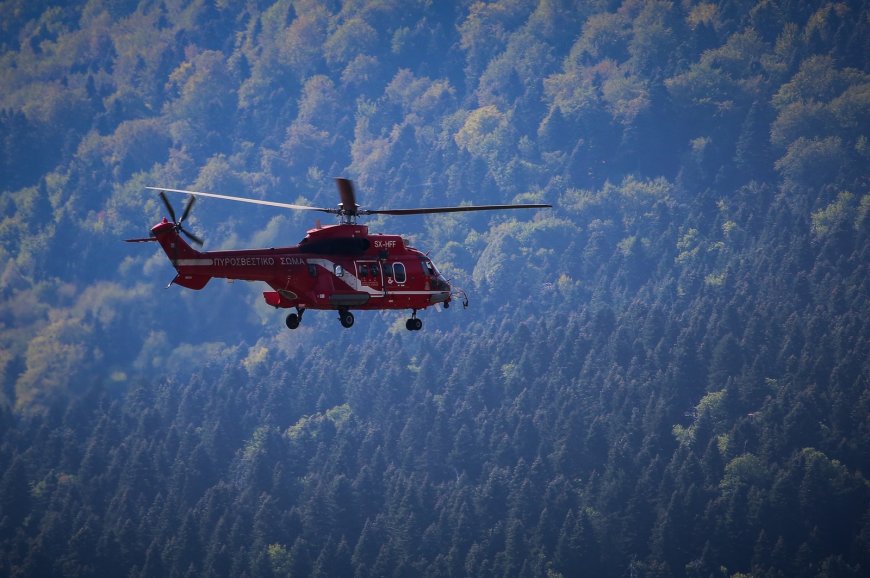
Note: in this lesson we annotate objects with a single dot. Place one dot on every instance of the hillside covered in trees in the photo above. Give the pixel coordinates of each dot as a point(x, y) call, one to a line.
point(664, 375)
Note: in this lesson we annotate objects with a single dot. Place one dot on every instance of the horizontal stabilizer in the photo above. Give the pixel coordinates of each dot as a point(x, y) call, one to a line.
point(196, 282)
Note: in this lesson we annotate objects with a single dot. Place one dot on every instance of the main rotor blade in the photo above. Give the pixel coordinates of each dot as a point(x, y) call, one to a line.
point(246, 200)
point(453, 209)
point(168, 206)
point(347, 196)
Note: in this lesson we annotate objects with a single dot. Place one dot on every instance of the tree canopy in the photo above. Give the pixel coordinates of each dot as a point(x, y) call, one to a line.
point(665, 375)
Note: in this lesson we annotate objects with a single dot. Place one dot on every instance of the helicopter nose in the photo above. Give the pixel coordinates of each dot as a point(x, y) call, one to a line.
point(442, 297)
point(442, 290)
point(440, 284)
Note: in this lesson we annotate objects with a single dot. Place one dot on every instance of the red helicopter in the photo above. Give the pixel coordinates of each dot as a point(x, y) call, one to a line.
point(336, 267)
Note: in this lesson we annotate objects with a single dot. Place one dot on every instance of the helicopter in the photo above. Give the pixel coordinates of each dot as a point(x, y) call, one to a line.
point(338, 267)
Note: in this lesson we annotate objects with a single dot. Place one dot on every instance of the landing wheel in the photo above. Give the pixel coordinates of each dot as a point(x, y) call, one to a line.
point(414, 324)
point(346, 318)
point(292, 321)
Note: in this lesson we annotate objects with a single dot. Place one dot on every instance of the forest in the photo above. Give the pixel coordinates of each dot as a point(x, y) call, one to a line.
point(666, 374)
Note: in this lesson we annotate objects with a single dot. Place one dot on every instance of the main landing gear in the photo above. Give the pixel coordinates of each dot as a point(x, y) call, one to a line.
point(294, 319)
point(414, 324)
point(346, 318)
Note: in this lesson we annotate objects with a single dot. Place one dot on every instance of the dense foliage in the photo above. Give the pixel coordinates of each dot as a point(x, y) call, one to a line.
point(666, 375)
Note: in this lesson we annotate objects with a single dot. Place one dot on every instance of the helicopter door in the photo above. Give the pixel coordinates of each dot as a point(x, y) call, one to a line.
point(370, 275)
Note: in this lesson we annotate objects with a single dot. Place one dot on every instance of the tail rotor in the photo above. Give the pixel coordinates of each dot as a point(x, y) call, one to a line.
point(184, 215)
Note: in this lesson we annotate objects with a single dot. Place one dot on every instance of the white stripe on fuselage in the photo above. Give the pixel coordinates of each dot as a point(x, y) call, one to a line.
point(193, 262)
point(329, 266)
point(354, 282)
point(348, 277)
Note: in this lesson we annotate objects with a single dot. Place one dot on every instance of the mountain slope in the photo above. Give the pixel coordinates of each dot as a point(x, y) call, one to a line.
point(666, 375)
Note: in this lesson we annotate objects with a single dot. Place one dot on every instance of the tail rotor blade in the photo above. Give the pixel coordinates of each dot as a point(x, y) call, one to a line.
point(184, 215)
point(187, 209)
point(168, 206)
point(191, 236)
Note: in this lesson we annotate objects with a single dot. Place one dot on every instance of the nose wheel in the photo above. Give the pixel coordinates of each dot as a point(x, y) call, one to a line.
point(414, 324)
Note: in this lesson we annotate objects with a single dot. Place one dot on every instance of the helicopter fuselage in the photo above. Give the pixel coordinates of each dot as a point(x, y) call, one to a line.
point(337, 267)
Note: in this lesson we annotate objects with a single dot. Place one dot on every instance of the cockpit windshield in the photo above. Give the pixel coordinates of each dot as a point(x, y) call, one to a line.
point(436, 281)
point(430, 268)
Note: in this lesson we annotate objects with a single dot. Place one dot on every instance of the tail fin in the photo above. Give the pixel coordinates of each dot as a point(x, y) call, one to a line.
point(172, 243)
point(181, 255)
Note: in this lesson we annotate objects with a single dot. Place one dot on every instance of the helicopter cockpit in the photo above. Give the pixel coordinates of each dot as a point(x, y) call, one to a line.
point(436, 280)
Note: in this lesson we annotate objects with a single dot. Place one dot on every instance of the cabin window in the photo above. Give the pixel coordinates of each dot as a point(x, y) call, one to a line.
point(399, 270)
point(363, 270)
point(339, 271)
point(312, 270)
point(375, 270)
